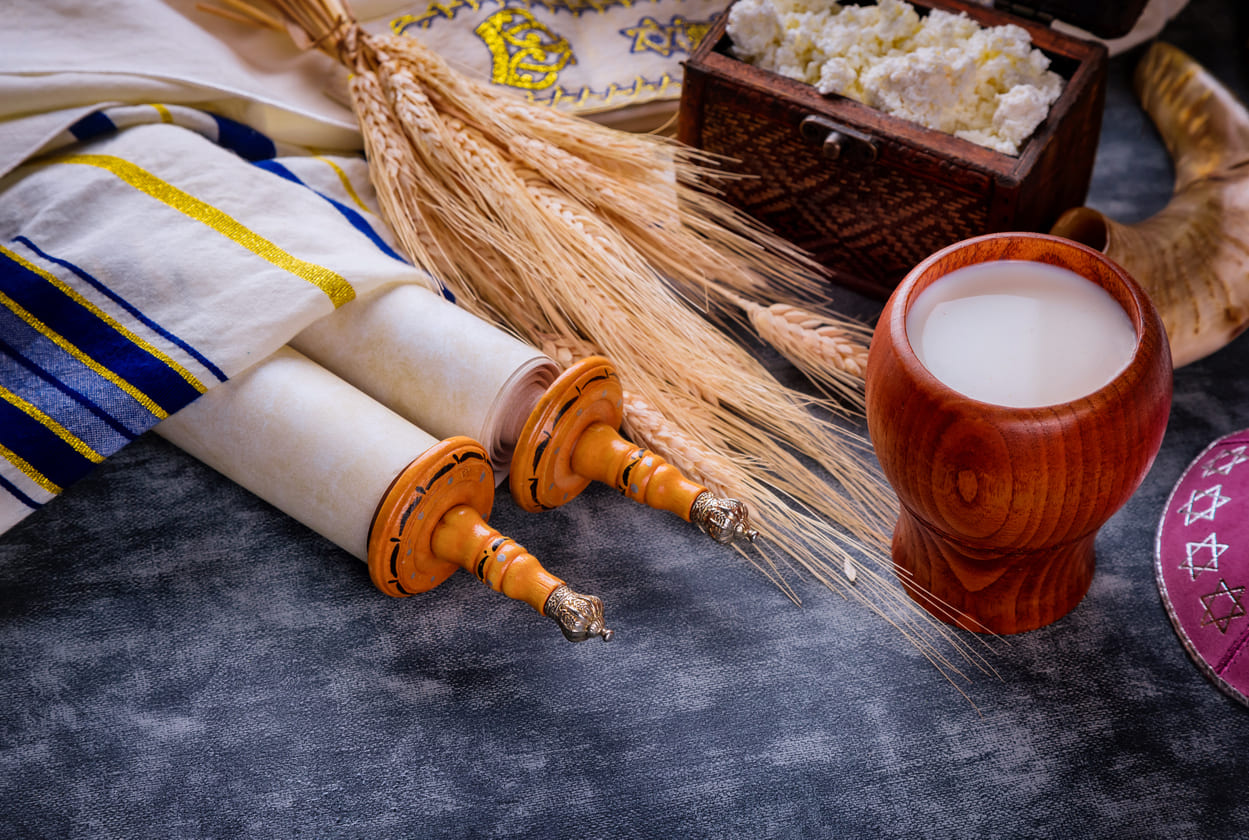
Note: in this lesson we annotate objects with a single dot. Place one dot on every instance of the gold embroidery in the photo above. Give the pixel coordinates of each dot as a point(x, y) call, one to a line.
point(60, 341)
point(42, 418)
point(73, 295)
point(524, 53)
point(29, 471)
point(680, 35)
point(693, 31)
point(582, 97)
point(451, 8)
point(330, 282)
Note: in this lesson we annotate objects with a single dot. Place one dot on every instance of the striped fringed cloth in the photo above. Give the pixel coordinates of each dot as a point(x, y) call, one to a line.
point(150, 253)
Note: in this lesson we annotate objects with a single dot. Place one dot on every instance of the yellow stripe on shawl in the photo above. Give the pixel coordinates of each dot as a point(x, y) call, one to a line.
point(29, 471)
point(60, 341)
point(39, 416)
point(342, 176)
point(73, 295)
point(330, 282)
point(165, 116)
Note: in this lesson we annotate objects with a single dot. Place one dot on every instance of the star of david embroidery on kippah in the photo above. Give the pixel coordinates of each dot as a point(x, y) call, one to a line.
point(680, 35)
point(1204, 504)
point(1225, 460)
point(1195, 550)
point(650, 35)
point(1228, 600)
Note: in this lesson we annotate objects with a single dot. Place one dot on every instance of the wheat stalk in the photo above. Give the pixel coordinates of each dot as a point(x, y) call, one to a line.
point(755, 411)
point(549, 225)
point(708, 456)
point(809, 337)
point(832, 353)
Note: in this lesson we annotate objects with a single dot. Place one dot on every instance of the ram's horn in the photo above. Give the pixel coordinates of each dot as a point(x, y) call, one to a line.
point(1192, 256)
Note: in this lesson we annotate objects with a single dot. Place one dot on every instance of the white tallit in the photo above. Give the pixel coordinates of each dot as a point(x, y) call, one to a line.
point(142, 267)
point(165, 222)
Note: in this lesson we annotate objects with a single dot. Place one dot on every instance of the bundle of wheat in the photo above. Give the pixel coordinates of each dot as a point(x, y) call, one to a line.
point(603, 242)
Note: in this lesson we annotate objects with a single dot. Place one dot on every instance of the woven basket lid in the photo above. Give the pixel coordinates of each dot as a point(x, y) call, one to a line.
point(1202, 562)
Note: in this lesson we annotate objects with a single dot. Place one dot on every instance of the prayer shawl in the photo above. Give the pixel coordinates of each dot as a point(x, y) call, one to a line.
point(151, 251)
point(142, 267)
point(164, 222)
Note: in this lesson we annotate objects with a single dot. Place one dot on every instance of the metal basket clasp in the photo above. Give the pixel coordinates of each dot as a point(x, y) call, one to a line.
point(838, 142)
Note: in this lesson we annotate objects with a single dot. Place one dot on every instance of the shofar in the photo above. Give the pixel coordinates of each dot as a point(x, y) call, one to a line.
point(1192, 257)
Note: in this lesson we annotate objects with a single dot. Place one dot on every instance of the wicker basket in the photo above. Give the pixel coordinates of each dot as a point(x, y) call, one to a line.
point(871, 195)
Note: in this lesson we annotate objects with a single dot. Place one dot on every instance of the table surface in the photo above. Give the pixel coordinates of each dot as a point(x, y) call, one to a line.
point(182, 660)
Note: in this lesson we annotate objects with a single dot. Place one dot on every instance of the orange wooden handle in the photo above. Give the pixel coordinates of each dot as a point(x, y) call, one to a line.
point(601, 454)
point(432, 522)
point(464, 538)
point(451, 473)
point(570, 439)
point(541, 475)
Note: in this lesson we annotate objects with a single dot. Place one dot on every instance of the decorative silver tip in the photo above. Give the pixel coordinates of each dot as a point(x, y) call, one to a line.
point(724, 520)
point(580, 617)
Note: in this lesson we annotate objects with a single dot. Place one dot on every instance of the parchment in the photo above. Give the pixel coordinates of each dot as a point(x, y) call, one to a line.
point(439, 366)
point(303, 440)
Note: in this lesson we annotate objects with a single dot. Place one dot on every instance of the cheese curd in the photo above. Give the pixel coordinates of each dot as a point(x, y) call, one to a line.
point(941, 70)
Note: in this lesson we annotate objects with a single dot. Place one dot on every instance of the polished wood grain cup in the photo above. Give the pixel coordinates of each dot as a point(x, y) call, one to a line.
point(1001, 493)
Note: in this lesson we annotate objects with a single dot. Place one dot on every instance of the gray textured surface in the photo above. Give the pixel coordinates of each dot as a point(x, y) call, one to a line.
point(180, 660)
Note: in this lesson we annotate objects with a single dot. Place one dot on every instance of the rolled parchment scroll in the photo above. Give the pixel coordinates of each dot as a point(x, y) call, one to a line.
point(412, 506)
point(453, 374)
point(302, 439)
point(436, 364)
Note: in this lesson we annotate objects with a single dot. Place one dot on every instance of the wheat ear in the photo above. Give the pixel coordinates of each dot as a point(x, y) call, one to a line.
point(550, 255)
point(831, 353)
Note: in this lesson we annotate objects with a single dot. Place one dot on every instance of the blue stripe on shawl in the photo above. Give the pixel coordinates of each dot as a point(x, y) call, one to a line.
point(243, 140)
point(127, 412)
point(93, 125)
point(70, 408)
point(126, 305)
point(357, 221)
point(40, 447)
point(13, 491)
point(96, 338)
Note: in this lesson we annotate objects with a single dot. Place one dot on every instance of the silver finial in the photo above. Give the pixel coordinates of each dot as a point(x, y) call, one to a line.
point(724, 520)
point(579, 616)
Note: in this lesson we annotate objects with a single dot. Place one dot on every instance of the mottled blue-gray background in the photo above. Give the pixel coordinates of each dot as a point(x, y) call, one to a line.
point(180, 660)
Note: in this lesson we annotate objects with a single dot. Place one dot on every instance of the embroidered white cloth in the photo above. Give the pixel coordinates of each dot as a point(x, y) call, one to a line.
point(60, 59)
point(617, 61)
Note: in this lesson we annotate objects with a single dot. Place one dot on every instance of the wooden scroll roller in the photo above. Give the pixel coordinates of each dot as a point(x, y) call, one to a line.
point(341, 463)
point(571, 439)
point(452, 373)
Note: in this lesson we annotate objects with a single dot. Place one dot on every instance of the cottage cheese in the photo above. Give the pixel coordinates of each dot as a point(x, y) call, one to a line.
point(942, 70)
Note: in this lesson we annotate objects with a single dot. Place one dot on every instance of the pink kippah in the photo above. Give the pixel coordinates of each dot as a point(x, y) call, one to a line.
point(1203, 562)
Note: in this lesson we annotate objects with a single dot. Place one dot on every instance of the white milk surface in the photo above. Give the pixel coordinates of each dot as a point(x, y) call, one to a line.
point(1019, 333)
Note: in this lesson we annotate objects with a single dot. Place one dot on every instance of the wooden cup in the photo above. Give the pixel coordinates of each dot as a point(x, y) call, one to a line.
point(1000, 506)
